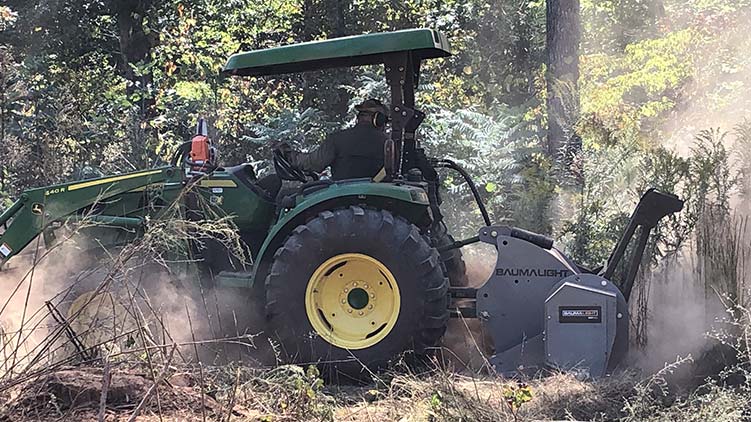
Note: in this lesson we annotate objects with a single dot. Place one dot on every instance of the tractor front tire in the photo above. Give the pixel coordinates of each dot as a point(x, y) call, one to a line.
point(352, 289)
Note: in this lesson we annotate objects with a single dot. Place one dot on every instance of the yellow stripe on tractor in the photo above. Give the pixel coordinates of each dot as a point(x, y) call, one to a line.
point(111, 179)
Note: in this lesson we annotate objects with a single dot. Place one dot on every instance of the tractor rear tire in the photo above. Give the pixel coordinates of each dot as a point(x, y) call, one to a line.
point(352, 289)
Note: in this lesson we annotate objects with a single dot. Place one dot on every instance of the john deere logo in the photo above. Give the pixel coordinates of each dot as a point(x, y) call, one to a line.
point(37, 208)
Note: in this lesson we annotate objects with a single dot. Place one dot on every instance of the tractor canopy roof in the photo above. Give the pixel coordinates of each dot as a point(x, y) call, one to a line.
point(350, 51)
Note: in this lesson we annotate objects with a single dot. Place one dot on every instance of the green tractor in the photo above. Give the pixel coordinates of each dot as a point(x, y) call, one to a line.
point(352, 273)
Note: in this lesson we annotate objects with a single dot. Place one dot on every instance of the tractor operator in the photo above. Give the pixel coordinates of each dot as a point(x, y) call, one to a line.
point(352, 153)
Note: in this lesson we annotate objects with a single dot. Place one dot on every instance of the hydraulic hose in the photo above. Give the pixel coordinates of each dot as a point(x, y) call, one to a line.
point(449, 164)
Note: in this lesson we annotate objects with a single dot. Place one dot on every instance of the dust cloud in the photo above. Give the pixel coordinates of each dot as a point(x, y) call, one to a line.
point(139, 304)
point(697, 300)
point(26, 283)
point(688, 296)
point(466, 344)
point(717, 94)
point(227, 324)
point(680, 315)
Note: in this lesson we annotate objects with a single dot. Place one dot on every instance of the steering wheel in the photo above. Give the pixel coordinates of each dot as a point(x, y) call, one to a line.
point(285, 169)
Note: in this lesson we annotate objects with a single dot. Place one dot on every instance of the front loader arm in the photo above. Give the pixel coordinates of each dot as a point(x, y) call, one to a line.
point(36, 209)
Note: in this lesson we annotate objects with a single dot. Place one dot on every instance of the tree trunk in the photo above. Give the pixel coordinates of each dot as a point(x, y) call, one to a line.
point(135, 49)
point(563, 37)
point(135, 45)
point(338, 23)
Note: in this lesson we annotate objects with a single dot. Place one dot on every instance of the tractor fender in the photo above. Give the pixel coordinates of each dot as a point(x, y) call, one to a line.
point(408, 201)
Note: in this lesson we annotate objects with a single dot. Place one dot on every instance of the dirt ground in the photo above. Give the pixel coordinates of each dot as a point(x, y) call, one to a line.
point(286, 394)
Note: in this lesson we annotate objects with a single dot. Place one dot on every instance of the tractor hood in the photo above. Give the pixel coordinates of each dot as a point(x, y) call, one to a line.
point(356, 50)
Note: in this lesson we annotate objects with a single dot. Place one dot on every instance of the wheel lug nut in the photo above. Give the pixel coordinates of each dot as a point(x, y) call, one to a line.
point(346, 290)
point(344, 301)
point(354, 284)
point(349, 310)
point(370, 306)
point(365, 286)
point(372, 295)
point(360, 312)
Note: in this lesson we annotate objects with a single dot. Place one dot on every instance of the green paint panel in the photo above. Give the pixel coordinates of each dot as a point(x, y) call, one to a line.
point(233, 197)
point(356, 50)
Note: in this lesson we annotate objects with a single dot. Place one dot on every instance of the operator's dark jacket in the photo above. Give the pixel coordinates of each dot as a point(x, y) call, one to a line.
point(352, 153)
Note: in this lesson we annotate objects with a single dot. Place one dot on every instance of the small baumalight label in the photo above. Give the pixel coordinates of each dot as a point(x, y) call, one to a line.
point(579, 314)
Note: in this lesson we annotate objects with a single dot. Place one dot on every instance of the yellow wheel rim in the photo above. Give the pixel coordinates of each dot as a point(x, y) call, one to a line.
point(352, 301)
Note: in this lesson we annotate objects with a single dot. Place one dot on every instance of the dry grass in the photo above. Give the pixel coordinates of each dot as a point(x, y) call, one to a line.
point(290, 393)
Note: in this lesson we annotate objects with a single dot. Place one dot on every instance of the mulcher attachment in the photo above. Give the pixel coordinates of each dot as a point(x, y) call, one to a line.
point(542, 310)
